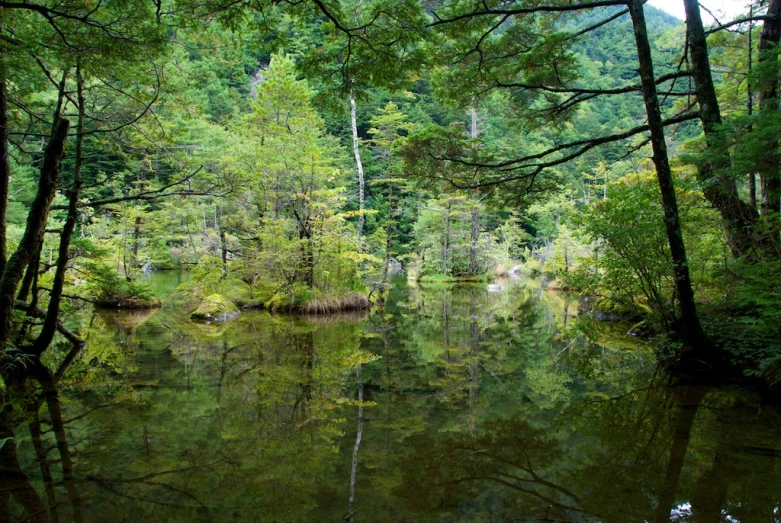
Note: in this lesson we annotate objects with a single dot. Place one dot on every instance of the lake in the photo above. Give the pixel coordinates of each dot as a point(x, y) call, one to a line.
point(451, 403)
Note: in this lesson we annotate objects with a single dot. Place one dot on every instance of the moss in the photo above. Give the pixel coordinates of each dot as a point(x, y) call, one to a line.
point(215, 308)
point(609, 307)
point(186, 297)
point(235, 290)
point(278, 301)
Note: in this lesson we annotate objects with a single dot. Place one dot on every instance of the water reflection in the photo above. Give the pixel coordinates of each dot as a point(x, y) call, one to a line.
point(451, 403)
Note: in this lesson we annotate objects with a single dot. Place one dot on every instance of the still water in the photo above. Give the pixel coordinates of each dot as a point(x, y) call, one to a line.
point(452, 404)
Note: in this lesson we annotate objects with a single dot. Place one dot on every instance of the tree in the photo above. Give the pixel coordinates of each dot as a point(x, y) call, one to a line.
point(388, 131)
point(543, 85)
point(690, 322)
point(718, 186)
point(46, 41)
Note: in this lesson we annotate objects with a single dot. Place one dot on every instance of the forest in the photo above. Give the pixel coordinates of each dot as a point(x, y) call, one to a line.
point(291, 156)
point(304, 158)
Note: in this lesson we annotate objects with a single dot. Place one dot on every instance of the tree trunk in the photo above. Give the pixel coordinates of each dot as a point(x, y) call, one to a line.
point(34, 231)
point(692, 330)
point(689, 402)
point(446, 246)
point(53, 311)
point(359, 434)
point(475, 222)
point(357, 152)
point(752, 179)
point(719, 189)
point(223, 244)
point(768, 103)
point(54, 406)
point(5, 172)
point(16, 483)
point(388, 236)
point(29, 276)
point(474, 235)
point(136, 240)
point(307, 254)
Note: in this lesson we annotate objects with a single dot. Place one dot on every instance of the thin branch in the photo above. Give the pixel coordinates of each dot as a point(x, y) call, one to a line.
point(525, 10)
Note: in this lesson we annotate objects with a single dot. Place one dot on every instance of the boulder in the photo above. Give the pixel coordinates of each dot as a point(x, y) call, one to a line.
point(494, 287)
point(215, 308)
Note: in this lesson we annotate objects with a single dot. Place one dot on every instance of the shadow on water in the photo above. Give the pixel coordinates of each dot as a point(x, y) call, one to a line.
point(450, 403)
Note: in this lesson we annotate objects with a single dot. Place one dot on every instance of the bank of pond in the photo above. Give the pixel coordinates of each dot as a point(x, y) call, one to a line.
point(449, 402)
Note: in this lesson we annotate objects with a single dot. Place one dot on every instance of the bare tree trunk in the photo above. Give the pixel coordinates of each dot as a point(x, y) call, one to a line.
point(357, 152)
point(692, 330)
point(718, 187)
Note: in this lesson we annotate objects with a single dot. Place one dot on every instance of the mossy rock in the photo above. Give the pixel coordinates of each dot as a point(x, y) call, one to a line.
point(215, 308)
point(186, 297)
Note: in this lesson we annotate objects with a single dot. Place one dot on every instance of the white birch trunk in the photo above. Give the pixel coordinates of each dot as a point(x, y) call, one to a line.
point(354, 122)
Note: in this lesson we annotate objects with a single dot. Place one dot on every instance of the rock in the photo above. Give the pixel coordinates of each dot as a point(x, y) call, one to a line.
point(515, 271)
point(494, 287)
point(394, 267)
point(500, 271)
point(216, 308)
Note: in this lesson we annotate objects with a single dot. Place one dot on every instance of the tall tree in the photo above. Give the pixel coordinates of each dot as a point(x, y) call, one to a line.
point(718, 184)
point(692, 330)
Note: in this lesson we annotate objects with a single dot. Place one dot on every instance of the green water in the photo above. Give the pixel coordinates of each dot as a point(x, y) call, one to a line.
point(451, 404)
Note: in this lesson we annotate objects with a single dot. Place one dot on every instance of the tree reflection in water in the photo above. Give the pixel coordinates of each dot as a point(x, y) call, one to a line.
point(449, 403)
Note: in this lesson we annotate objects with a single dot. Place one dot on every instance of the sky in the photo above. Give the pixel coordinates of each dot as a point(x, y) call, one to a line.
point(727, 8)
